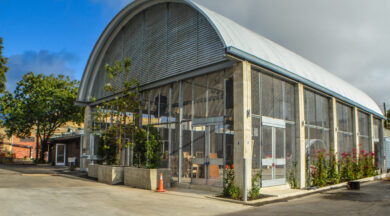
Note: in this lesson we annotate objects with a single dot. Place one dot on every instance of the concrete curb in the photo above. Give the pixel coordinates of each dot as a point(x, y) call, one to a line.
point(302, 193)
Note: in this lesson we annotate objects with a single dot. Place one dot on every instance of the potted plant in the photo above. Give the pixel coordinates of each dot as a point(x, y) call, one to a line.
point(147, 158)
point(115, 122)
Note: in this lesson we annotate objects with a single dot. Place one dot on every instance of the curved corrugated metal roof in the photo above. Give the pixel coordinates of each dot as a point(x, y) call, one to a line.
point(247, 44)
point(242, 41)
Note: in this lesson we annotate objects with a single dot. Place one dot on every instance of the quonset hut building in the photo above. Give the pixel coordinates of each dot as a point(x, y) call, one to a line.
point(222, 95)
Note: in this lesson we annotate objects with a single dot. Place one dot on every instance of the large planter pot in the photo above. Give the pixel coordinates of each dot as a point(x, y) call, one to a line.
point(93, 170)
point(146, 178)
point(110, 174)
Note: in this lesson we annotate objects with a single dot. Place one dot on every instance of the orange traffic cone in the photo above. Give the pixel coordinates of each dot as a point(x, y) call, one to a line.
point(161, 185)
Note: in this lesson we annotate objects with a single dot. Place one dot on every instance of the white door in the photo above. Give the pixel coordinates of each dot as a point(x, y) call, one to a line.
point(273, 152)
point(60, 154)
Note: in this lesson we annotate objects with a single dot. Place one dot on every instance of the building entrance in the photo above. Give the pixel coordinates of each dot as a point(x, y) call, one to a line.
point(273, 161)
point(208, 152)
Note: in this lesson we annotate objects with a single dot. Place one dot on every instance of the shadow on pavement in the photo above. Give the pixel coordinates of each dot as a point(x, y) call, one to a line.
point(33, 169)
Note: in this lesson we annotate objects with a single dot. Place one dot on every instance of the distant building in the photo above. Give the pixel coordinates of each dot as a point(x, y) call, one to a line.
point(24, 148)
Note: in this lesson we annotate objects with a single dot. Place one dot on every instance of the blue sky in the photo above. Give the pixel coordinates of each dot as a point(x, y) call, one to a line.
point(52, 36)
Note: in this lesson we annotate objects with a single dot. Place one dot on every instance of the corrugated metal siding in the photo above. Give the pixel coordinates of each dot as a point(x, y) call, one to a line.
point(162, 41)
point(133, 44)
point(182, 39)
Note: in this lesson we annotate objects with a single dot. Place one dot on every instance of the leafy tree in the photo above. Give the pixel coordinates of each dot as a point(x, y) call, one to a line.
point(3, 67)
point(41, 103)
point(121, 112)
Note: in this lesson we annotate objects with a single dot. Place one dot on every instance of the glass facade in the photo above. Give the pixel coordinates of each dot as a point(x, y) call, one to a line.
point(273, 127)
point(317, 132)
point(194, 153)
point(345, 129)
point(377, 142)
point(195, 120)
point(364, 130)
point(316, 123)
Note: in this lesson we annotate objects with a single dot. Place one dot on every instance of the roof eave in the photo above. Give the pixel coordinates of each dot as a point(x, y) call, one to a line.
point(256, 60)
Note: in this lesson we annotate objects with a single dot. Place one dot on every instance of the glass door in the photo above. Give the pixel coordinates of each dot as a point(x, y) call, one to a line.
point(60, 155)
point(207, 159)
point(273, 153)
point(198, 162)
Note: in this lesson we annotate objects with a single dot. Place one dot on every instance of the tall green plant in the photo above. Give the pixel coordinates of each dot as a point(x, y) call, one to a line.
point(319, 171)
point(147, 149)
point(256, 185)
point(230, 189)
point(333, 176)
point(347, 171)
point(292, 180)
point(122, 111)
point(107, 147)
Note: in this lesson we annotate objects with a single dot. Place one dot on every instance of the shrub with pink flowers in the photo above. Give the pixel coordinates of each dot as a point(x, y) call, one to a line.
point(328, 171)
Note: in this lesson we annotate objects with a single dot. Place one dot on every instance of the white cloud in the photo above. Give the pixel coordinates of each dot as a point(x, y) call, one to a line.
point(44, 62)
point(349, 38)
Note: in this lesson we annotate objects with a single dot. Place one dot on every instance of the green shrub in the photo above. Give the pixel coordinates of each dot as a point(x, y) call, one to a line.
point(347, 171)
point(333, 176)
point(292, 180)
point(230, 189)
point(107, 146)
point(319, 173)
point(147, 148)
point(256, 185)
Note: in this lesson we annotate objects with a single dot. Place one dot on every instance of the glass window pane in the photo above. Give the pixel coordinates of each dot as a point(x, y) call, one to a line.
point(256, 143)
point(187, 99)
point(267, 95)
point(186, 159)
point(175, 150)
point(289, 102)
point(280, 160)
point(215, 94)
point(144, 107)
point(164, 104)
point(290, 145)
point(164, 135)
point(175, 102)
point(363, 124)
point(229, 92)
point(278, 98)
point(154, 101)
point(200, 93)
point(266, 153)
point(255, 93)
point(216, 154)
point(310, 114)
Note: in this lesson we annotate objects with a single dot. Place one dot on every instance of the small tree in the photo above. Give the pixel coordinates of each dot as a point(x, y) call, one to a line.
point(121, 112)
